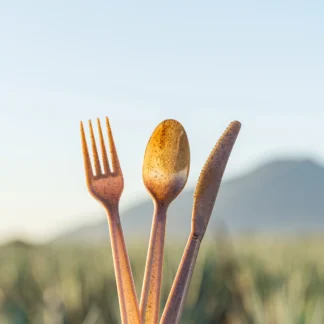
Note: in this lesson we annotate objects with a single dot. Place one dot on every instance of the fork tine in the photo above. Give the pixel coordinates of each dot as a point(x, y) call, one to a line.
point(86, 157)
point(103, 149)
point(113, 152)
point(94, 151)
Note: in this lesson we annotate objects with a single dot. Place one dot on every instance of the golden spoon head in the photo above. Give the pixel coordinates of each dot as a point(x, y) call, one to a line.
point(166, 161)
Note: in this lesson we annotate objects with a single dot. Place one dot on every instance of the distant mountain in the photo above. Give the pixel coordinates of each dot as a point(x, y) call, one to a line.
point(280, 196)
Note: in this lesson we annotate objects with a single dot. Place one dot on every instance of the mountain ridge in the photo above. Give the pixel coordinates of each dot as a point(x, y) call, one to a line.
point(281, 195)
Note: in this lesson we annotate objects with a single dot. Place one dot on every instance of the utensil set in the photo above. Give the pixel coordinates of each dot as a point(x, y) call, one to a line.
point(165, 173)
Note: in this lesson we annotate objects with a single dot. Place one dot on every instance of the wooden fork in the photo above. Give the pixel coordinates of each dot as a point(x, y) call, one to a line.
point(106, 186)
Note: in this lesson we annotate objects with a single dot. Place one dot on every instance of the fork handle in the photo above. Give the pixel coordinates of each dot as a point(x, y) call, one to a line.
point(150, 298)
point(128, 302)
point(174, 305)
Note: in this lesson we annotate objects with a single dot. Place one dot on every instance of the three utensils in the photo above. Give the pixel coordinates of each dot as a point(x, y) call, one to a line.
point(165, 173)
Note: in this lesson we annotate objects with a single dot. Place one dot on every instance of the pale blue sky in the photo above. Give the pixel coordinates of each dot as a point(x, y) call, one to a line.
point(204, 63)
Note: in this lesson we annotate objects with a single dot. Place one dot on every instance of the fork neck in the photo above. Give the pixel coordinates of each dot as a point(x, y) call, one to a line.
point(111, 208)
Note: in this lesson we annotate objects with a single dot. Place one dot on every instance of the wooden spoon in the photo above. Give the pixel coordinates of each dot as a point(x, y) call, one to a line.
point(165, 173)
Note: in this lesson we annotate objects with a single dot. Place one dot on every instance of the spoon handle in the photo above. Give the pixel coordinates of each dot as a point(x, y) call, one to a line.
point(125, 284)
point(150, 299)
point(174, 305)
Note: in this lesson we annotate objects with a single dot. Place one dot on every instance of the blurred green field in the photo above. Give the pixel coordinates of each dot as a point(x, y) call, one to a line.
point(263, 280)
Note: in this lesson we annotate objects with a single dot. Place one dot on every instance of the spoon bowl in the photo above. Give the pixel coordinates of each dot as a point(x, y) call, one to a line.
point(166, 161)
